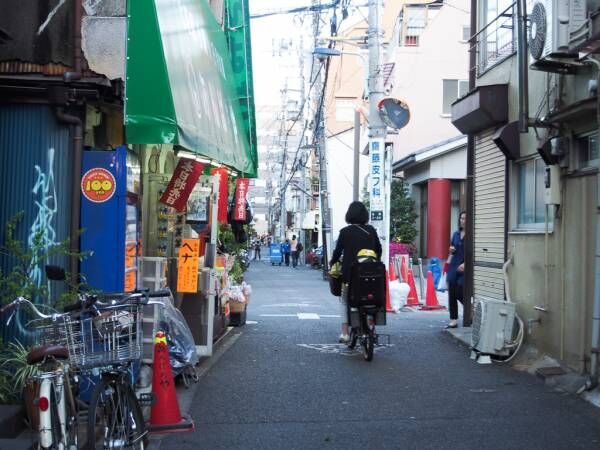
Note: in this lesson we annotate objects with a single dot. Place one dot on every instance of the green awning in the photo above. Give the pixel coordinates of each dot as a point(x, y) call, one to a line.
point(180, 83)
point(237, 32)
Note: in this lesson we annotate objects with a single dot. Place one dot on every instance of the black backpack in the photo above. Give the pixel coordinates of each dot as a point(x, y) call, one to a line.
point(367, 284)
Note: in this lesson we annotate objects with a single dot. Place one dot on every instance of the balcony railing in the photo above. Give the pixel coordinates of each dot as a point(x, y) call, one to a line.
point(497, 40)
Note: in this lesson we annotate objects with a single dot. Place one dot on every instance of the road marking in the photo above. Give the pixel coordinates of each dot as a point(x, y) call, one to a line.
point(278, 315)
point(340, 349)
point(330, 315)
point(251, 322)
point(308, 316)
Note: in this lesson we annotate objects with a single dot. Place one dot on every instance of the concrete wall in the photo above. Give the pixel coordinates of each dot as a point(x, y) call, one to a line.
point(555, 271)
point(452, 165)
point(418, 76)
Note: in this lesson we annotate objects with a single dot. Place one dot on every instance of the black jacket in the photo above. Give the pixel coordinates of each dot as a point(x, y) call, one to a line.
point(352, 239)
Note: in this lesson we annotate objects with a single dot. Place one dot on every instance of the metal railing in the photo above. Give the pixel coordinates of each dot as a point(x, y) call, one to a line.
point(496, 41)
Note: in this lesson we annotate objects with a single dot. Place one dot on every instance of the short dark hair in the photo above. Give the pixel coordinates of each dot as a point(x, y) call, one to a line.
point(357, 213)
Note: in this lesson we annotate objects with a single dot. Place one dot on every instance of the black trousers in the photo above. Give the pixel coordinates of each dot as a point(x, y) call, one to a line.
point(455, 295)
point(287, 259)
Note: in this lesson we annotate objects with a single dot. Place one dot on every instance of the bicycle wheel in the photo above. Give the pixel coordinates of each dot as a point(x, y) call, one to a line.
point(368, 346)
point(115, 419)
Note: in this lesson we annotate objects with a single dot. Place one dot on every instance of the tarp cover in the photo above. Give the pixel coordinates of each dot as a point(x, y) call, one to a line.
point(179, 87)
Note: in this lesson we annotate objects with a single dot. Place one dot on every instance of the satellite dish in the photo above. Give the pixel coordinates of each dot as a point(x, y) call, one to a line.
point(394, 112)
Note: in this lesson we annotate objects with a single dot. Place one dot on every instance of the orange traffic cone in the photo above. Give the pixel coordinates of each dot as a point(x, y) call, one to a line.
point(431, 301)
point(393, 276)
point(404, 271)
point(388, 302)
point(165, 416)
point(413, 298)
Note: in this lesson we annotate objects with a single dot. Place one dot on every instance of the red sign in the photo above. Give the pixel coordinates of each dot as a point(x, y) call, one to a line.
point(223, 193)
point(98, 185)
point(183, 181)
point(241, 189)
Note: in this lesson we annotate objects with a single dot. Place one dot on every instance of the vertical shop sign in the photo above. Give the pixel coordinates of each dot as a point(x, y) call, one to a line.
point(183, 181)
point(187, 266)
point(241, 189)
point(376, 179)
point(223, 193)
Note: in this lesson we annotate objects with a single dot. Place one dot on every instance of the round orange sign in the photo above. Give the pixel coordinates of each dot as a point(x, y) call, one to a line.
point(98, 185)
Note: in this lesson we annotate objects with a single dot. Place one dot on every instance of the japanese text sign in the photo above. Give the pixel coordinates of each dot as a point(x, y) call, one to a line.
point(183, 181)
point(241, 189)
point(187, 266)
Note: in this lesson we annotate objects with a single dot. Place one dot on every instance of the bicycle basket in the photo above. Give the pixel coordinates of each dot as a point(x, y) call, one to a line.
point(114, 337)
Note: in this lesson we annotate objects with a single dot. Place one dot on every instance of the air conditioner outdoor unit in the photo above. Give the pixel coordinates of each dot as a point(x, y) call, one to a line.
point(550, 26)
point(493, 327)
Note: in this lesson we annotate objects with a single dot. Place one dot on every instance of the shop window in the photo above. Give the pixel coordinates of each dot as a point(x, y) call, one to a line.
point(529, 195)
point(452, 90)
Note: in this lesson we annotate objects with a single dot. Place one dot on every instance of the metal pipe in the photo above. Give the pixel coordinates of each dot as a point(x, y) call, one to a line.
point(595, 345)
point(77, 137)
point(469, 258)
point(522, 66)
point(355, 178)
point(76, 74)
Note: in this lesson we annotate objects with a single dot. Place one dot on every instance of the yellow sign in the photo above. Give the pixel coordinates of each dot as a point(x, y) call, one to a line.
point(187, 266)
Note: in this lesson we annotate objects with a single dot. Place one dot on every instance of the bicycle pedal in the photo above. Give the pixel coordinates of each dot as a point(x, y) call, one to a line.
point(147, 399)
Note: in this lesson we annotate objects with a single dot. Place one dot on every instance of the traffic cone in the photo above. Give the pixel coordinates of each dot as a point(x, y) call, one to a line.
point(413, 298)
point(393, 276)
point(404, 271)
point(388, 302)
point(165, 416)
point(431, 301)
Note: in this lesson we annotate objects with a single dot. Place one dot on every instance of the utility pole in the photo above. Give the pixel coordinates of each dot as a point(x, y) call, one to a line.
point(301, 159)
point(378, 160)
point(282, 187)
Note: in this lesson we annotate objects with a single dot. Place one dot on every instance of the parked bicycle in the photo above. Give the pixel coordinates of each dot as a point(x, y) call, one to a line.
point(92, 337)
point(55, 400)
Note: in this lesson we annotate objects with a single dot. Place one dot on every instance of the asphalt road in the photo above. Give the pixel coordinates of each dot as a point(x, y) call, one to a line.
point(285, 384)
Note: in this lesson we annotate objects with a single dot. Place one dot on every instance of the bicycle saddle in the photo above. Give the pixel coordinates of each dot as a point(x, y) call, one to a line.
point(38, 354)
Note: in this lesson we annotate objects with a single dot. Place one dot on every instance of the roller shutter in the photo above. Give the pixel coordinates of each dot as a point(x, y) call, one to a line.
point(489, 242)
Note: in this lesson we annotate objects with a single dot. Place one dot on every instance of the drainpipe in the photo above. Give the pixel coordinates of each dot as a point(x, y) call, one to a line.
point(77, 138)
point(595, 345)
point(469, 257)
point(77, 16)
point(356, 167)
point(522, 66)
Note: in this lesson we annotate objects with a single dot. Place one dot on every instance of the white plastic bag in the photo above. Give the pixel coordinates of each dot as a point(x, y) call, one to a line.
point(442, 284)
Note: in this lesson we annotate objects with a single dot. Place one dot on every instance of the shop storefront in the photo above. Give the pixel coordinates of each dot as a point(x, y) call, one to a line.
point(175, 209)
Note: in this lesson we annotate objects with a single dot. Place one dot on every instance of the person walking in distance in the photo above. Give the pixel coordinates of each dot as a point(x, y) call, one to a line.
point(285, 247)
point(257, 249)
point(358, 235)
point(456, 270)
point(296, 248)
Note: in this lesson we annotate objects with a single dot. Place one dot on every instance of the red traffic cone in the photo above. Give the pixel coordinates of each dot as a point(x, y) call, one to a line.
point(404, 271)
point(413, 298)
point(393, 276)
point(165, 416)
point(388, 302)
point(431, 301)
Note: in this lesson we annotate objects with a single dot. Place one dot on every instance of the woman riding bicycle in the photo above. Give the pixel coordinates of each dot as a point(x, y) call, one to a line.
point(356, 236)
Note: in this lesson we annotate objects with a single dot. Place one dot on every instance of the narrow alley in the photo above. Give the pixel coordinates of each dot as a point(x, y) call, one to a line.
point(286, 383)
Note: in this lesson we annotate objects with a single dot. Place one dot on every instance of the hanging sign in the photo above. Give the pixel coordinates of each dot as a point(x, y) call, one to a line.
point(187, 266)
point(241, 189)
point(182, 183)
point(98, 185)
point(223, 193)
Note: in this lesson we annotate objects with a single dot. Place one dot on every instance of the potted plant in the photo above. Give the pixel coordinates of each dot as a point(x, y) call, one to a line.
point(23, 384)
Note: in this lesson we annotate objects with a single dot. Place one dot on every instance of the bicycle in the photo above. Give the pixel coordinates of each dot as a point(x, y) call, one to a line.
point(56, 403)
point(110, 342)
